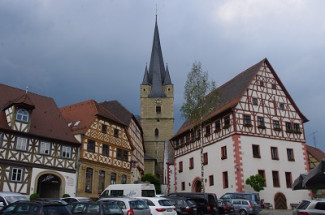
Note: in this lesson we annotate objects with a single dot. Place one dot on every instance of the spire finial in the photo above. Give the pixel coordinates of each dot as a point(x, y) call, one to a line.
point(156, 12)
point(26, 89)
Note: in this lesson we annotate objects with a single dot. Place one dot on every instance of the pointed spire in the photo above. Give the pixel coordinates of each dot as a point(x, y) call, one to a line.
point(167, 76)
point(145, 77)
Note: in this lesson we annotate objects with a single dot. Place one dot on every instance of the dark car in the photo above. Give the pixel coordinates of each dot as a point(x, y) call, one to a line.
point(184, 205)
point(211, 199)
point(70, 200)
point(226, 207)
point(35, 208)
point(96, 208)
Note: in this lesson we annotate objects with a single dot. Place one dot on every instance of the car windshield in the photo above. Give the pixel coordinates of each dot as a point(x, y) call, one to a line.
point(137, 204)
point(199, 202)
point(164, 203)
point(303, 205)
point(12, 199)
point(112, 208)
point(56, 209)
point(190, 202)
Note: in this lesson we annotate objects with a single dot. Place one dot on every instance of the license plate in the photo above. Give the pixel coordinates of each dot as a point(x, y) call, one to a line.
point(169, 209)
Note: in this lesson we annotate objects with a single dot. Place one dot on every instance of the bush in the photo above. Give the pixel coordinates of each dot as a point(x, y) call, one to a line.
point(34, 196)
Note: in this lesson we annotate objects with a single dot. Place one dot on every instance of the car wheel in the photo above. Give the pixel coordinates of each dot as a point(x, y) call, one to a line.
point(242, 212)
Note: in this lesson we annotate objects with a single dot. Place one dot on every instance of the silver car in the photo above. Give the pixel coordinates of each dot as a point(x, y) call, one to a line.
point(310, 207)
point(7, 198)
point(244, 206)
point(130, 206)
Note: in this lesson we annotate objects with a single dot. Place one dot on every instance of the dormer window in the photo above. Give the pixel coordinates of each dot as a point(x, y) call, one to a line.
point(22, 115)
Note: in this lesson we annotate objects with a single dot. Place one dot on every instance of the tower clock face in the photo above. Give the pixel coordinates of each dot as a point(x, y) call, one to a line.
point(157, 101)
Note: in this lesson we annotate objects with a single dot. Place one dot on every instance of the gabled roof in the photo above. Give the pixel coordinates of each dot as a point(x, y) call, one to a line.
point(316, 153)
point(46, 119)
point(82, 115)
point(118, 110)
point(230, 93)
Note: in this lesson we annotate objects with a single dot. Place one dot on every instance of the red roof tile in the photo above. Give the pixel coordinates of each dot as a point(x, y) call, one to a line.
point(316, 153)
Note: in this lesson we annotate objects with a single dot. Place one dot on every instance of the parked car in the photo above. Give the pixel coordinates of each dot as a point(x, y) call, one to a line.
point(96, 208)
point(159, 205)
point(129, 206)
point(76, 199)
point(310, 207)
point(210, 198)
point(184, 206)
point(250, 196)
point(35, 208)
point(244, 206)
point(226, 207)
point(7, 198)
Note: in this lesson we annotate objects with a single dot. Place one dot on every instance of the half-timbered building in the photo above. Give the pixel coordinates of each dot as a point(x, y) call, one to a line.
point(106, 150)
point(136, 137)
point(38, 153)
point(255, 127)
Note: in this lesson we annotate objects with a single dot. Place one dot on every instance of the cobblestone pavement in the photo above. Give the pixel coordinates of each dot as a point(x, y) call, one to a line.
point(276, 212)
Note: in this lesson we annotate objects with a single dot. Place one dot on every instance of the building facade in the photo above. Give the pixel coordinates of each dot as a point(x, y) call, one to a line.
point(157, 105)
point(106, 150)
point(38, 152)
point(255, 127)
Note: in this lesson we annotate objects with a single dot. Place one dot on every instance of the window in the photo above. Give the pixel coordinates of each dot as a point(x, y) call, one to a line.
point(276, 125)
point(254, 101)
point(227, 121)
point(223, 152)
point(91, 146)
point(207, 130)
point(288, 179)
point(192, 136)
point(122, 154)
point(261, 83)
point(105, 149)
point(183, 185)
point(273, 86)
point(256, 151)
point(66, 152)
point(296, 127)
point(247, 120)
point(211, 181)
point(45, 148)
point(262, 173)
point(21, 143)
point(290, 154)
point(16, 174)
point(156, 132)
point(104, 129)
point(274, 153)
point(1, 138)
point(180, 166)
point(116, 132)
point(218, 125)
point(288, 127)
point(113, 178)
point(275, 177)
point(158, 109)
point(205, 158)
point(260, 122)
point(198, 134)
point(89, 180)
point(101, 181)
point(124, 179)
point(22, 115)
point(191, 163)
point(281, 106)
point(225, 179)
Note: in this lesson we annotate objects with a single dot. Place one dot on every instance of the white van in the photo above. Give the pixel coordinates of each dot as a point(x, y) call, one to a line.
point(129, 190)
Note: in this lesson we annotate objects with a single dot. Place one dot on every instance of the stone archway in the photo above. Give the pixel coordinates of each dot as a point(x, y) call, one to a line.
point(50, 185)
point(196, 185)
point(280, 201)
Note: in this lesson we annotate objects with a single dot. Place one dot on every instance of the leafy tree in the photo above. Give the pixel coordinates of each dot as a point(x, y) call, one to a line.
point(256, 182)
point(34, 196)
point(153, 180)
point(198, 103)
point(65, 195)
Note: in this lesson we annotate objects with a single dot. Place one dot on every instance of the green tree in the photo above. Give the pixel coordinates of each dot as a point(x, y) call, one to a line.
point(198, 103)
point(153, 180)
point(256, 182)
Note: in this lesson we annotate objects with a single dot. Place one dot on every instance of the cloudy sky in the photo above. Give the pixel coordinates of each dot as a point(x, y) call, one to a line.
point(97, 49)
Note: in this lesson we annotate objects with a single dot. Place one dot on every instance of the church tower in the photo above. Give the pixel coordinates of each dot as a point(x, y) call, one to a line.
point(157, 105)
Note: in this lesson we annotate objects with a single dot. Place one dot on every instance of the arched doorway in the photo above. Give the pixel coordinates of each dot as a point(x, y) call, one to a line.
point(197, 185)
point(48, 186)
point(280, 201)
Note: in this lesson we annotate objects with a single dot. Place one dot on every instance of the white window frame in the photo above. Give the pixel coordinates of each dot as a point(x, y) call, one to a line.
point(45, 148)
point(66, 152)
point(18, 172)
point(22, 115)
point(21, 143)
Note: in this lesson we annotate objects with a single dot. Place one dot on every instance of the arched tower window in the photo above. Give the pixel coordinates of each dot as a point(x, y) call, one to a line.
point(22, 115)
point(156, 132)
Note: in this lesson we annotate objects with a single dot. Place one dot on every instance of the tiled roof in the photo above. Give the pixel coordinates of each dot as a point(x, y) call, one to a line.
point(81, 115)
point(316, 153)
point(118, 110)
point(46, 119)
point(230, 93)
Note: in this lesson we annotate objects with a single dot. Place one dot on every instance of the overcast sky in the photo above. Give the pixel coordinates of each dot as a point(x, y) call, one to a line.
point(73, 51)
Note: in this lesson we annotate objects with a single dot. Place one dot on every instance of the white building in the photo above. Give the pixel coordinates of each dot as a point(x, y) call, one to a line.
point(255, 128)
